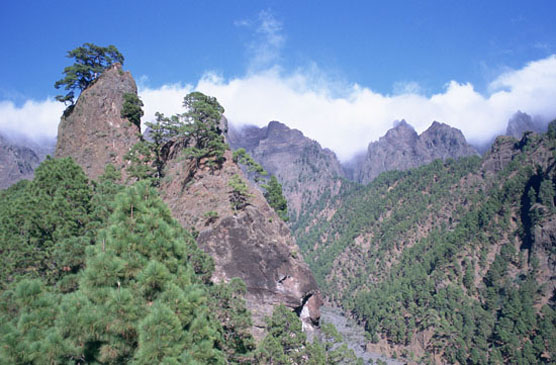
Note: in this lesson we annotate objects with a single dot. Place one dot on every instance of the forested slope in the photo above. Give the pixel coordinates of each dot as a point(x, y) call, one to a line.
point(99, 272)
point(452, 261)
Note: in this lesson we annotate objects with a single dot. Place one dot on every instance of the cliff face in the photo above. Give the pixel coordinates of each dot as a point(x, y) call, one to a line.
point(94, 133)
point(401, 149)
point(252, 243)
point(16, 162)
point(301, 165)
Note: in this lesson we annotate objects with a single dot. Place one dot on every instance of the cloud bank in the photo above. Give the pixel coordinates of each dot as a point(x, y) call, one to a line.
point(344, 119)
point(347, 120)
point(34, 119)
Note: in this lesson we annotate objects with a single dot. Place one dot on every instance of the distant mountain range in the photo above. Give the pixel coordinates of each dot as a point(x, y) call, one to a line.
point(306, 169)
point(20, 156)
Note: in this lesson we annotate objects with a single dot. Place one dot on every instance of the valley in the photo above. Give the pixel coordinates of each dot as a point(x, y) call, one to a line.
point(205, 243)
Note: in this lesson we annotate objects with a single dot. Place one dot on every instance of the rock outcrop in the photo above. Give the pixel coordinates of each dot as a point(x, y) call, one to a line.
point(251, 243)
point(520, 123)
point(93, 132)
point(402, 149)
point(17, 162)
point(302, 166)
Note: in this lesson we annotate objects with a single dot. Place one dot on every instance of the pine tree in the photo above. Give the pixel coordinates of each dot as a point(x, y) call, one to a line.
point(144, 281)
point(275, 198)
point(42, 221)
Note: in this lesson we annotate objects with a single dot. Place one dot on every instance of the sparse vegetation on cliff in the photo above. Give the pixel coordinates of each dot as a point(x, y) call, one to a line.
point(132, 109)
point(90, 61)
point(197, 130)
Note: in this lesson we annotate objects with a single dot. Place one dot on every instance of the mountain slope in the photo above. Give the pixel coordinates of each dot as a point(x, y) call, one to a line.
point(250, 242)
point(301, 165)
point(451, 262)
point(520, 123)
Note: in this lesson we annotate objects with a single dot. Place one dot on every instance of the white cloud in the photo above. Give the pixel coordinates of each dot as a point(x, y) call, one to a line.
point(34, 119)
point(264, 50)
point(342, 118)
point(168, 100)
point(346, 123)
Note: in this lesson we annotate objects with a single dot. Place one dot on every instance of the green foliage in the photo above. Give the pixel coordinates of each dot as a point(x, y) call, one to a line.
point(226, 303)
point(275, 198)
point(273, 189)
point(211, 216)
point(90, 61)
point(132, 109)
point(285, 343)
point(144, 162)
point(551, 132)
point(426, 255)
point(44, 223)
point(240, 156)
point(203, 115)
point(143, 294)
point(197, 130)
point(239, 194)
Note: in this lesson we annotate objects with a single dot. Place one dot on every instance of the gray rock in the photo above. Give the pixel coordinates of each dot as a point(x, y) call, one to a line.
point(17, 162)
point(302, 166)
point(402, 149)
point(520, 123)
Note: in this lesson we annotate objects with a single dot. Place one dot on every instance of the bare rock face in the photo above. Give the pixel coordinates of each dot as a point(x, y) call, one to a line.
point(252, 243)
point(520, 123)
point(93, 133)
point(302, 166)
point(16, 162)
point(502, 152)
point(402, 149)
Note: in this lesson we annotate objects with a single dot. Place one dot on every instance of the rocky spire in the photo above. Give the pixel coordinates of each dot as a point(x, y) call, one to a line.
point(93, 131)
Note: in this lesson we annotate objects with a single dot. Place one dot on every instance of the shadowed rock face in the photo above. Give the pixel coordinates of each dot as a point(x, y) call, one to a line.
point(16, 163)
point(302, 166)
point(94, 134)
point(402, 148)
point(253, 243)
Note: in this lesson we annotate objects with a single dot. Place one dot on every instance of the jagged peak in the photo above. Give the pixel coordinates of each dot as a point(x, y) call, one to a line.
point(398, 124)
point(275, 128)
point(439, 125)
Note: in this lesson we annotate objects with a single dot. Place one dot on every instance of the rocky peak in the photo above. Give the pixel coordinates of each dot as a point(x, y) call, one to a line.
point(93, 131)
point(251, 243)
point(445, 142)
point(402, 132)
point(302, 166)
point(520, 123)
point(401, 148)
point(16, 162)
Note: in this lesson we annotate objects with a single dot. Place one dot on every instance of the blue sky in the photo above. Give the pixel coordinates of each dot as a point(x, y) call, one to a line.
point(354, 52)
